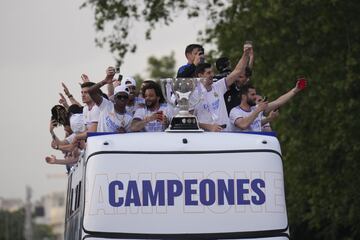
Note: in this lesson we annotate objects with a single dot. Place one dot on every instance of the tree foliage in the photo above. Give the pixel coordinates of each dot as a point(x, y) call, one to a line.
point(162, 67)
point(319, 129)
point(122, 15)
point(12, 226)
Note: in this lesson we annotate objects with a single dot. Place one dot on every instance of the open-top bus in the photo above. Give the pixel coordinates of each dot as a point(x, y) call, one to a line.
point(178, 186)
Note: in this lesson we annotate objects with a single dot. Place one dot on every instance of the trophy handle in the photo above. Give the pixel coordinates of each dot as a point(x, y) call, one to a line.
point(197, 95)
point(167, 88)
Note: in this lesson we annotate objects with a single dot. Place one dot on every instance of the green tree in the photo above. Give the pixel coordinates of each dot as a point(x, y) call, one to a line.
point(161, 67)
point(319, 129)
point(120, 16)
point(12, 227)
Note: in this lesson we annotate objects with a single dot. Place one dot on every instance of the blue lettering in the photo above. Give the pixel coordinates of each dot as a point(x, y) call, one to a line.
point(189, 191)
point(256, 184)
point(158, 195)
point(208, 191)
point(174, 189)
point(112, 187)
point(241, 191)
point(132, 195)
point(210, 185)
point(226, 191)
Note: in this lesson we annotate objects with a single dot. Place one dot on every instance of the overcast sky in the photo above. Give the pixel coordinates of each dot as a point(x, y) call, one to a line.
point(45, 42)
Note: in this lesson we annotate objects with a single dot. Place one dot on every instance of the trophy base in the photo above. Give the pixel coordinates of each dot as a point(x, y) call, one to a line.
point(184, 124)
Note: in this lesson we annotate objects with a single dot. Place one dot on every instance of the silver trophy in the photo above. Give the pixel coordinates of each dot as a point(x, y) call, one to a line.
point(183, 94)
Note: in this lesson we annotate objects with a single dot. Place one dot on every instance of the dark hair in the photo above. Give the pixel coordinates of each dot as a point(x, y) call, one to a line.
point(75, 109)
point(60, 115)
point(200, 68)
point(222, 64)
point(191, 47)
point(87, 84)
point(157, 89)
point(245, 89)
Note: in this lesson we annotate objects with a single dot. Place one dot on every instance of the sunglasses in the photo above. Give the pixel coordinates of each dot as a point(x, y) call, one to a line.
point(122, 97)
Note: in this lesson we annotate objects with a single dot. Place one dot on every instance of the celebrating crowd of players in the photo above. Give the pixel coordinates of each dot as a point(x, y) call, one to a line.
point(228, 103)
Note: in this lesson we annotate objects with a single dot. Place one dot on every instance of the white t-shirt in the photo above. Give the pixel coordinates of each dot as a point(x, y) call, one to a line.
point(91, 116)
point(138, 103)
point(238, 112)
point(154, 126)
point(212, 109)
point(110, 120)
point(77, 123)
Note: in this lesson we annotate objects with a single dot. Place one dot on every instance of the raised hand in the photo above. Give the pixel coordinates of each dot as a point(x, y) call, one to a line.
point(63, 101)
point(66, 90)
point(301, 84)
point(198, 58)
point(85, 78)
point(262, 106)
point(110, 73)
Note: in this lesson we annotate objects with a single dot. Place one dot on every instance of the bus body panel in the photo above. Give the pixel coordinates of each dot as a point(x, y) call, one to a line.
point(179, 186)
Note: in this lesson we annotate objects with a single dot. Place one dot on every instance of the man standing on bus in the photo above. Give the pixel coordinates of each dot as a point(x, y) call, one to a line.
point(211, 111)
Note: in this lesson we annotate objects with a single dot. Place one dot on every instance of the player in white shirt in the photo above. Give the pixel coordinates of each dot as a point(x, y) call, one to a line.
point(211, 110)
point(90, 113)
point(113, 115)
point(155, 116)
point(248, 116)
point(134, 102)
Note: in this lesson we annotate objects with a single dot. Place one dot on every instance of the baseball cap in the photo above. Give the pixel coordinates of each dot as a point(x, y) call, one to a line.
point(121, 88)
point(129, 81)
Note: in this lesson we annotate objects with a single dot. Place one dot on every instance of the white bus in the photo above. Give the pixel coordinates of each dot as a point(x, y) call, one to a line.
point(178, 186)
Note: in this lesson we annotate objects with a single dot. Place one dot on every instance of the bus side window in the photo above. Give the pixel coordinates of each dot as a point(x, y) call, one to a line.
point(71, 202)
point(68, 198)
point(78, 198)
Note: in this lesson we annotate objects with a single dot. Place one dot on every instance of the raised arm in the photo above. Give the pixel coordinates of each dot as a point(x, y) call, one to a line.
point(69, 95)
point(284, 98)
point(94, 90)
point(110, 89)
point(251, 58)
point(63, 101)
point(239, 69)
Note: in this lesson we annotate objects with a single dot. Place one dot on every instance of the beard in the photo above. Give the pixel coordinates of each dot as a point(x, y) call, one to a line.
point(150, 103)
point(251, 102)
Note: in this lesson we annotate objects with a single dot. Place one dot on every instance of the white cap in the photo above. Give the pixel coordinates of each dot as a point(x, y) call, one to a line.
point(131, 81)
point(121, 88)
